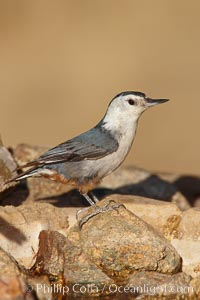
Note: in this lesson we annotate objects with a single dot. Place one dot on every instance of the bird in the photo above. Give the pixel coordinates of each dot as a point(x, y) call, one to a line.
point(86, 159)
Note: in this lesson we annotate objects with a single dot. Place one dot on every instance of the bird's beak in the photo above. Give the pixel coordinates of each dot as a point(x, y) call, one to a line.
point(152, 102)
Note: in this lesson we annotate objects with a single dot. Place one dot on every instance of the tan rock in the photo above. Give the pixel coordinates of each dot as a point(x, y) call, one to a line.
point(24, 153)
point(12, 284)
point(82, 275)
point(14, 288)
point(189, 251)
point(42, 288)
point(189, 227)
point(187, 242)
point(120, 243)
point(8, 266)
point(20, 228)
point(163, 216)
point(7, 166)
point(125, 176)
point(195, 284)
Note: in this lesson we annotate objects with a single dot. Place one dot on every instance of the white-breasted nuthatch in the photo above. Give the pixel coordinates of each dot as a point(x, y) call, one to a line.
point(87, 158)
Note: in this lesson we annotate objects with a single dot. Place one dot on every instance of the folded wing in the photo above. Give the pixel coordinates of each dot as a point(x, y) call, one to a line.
point(93, 144)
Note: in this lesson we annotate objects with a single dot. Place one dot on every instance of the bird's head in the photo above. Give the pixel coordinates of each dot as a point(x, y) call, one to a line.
point(133, 103)
point(126, 108)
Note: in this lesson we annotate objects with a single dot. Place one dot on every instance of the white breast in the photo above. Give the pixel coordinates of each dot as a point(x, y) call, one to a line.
point(109, 163)
point(115, 159)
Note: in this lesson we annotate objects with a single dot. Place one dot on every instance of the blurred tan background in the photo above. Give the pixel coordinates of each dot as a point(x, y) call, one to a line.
point(62, 61)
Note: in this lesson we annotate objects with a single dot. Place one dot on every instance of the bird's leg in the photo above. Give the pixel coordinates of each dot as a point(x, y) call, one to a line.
point(90, 201)
point(94, 197)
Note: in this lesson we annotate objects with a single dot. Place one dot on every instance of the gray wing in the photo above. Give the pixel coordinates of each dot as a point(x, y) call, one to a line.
point(93, 144)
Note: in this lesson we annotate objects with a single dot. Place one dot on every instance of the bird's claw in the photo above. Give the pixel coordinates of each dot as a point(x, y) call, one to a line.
point(80, 211)
point(107, 207)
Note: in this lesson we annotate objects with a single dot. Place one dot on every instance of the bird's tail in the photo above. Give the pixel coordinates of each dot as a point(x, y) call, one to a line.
point(31, 172)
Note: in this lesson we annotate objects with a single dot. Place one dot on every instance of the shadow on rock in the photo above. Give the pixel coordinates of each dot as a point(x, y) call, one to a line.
point(189, 186)
point(14, 196)
point(11, 232)
point(151, 187)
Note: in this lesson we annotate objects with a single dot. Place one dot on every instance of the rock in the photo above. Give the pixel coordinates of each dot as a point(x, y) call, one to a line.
point(24, 153)
point(195, 284)
point(189, 227)
point(134, 181)
point(189, 185)
point(8, 266)
point(104, 252)
point(42, 188)
point(20, 228)
point(7, 166)
point(50, 257)
point(81, 274)
point(180, 201)
point(111, 247)
point(58, 257)
point(12, 285)
point(187, 241)
point(158, 285)
point(163, 216)
point(189, 251)
point(14, 288)
point(119, 243)
point(41, 287)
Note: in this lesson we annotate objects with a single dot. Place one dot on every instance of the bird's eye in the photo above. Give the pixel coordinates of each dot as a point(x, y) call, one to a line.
point(131, 101)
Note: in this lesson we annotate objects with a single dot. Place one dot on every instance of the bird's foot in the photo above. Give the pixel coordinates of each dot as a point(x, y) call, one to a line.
point(97, 210)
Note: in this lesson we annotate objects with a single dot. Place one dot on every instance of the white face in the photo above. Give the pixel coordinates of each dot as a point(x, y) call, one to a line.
point(127, 107)
point(129, 104)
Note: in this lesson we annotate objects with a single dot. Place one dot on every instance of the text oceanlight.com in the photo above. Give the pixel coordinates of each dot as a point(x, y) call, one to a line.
point(78, 288)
